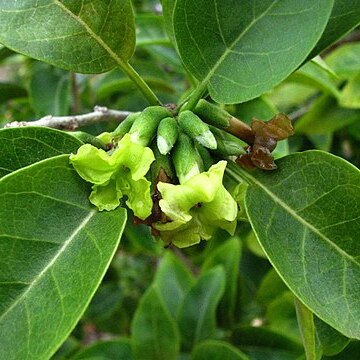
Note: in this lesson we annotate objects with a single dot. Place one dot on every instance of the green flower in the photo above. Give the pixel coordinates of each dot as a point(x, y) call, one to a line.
point(197, 208)
point(121, 173)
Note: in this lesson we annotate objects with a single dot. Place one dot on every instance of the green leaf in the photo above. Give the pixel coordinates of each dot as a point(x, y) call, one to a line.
point(344, 17)
point(261, 108)
point(56, 99)
point(196, 317)
point(217, 350)
point(262, 338)
point(332, 342)
point(228, 255)
point(350, 94)
point(168, 11)
point(139, 238)
point(105, 302)
point(85, 37)
point(310, 205)
point(322, 141)
point(325, 117)
point(155, 335)
point(351, 352)
point(174, 281)
point(315, 75)
point(281, 316)
point(151, 30)
point(20, 147)
point(239, 50)
point(106, 350)
point(54, 251)
point(345, 60)
point(271, 287)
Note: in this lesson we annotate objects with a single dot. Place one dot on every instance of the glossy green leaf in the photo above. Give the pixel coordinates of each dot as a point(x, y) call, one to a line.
point(345, 60)
point(217, 350)
point(344, 17)
point(174, 281)
point(332, 342)
point(196, 317)
point(228, 255)
point(20, 147)
point(306, 216)
point(86, 37)
point(56, 100)
point(49, 234)
point(106, 350)
point(325, 116)
point(155, 334)
point(241, 50)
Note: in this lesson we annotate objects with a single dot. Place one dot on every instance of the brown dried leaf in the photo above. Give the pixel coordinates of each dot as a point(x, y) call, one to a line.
point(266, 136)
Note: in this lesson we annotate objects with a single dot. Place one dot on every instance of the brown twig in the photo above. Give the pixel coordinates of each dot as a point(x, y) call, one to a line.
point(74, 122)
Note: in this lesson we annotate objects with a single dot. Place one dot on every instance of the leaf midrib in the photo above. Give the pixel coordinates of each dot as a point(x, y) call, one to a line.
point(229, 49)
point(51, 263)
point(119, 60)
point(296, 216)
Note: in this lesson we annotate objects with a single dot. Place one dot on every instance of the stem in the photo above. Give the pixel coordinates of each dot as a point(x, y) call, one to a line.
point(140, 83)
point(73, 122)
point(307, 329)
point(196, 95)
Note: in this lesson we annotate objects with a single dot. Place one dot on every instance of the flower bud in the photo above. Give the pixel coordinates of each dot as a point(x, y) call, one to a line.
point(212, 114)
point(125, 126)
point(185, 158)
point(193, 126)
point(228, 145)
point(145, 125)
point(167, 134)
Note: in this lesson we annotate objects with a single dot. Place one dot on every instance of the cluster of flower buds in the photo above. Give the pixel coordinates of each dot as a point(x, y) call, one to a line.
point(169, 168)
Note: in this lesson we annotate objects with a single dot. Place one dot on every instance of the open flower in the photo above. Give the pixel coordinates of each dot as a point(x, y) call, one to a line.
point(121, 173)
point(197, 208)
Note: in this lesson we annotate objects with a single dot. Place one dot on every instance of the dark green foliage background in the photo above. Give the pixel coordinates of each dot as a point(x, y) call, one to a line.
point(68, 291)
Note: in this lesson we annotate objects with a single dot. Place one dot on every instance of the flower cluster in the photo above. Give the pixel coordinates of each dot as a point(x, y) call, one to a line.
point(190, 201)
